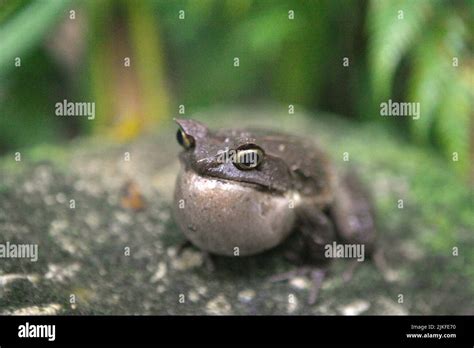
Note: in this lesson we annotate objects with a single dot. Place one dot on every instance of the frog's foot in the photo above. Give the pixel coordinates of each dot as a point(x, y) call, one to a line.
point(301, 271)
point(207, 257)
point(182, 246)
point(349, 272)
point(316, 275)
point(209, 261)
point(317, 278)
point(381, 264)
point(379, 261)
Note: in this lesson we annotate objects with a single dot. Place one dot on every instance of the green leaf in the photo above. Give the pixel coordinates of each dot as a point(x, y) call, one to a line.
point(430, 73)
point(26, 28)
point(452, 125)
point(390, 37)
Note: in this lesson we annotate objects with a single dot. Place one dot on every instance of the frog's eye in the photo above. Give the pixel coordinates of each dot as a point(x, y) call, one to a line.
point(184, 140)
point(248, 157)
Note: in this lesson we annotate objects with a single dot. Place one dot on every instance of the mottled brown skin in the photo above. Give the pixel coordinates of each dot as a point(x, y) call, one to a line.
point(326, 207)
point(296, 165)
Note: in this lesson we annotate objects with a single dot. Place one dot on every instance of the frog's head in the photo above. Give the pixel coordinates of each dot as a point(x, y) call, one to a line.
point(235, 156)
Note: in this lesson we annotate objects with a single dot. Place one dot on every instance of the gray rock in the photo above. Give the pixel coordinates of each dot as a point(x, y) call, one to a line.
point(101, 257)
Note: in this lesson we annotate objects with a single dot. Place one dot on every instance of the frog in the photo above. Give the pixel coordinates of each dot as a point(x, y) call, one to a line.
point(241, 192)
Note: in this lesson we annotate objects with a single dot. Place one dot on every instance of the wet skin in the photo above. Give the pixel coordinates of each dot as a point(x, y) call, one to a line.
point(270, 188)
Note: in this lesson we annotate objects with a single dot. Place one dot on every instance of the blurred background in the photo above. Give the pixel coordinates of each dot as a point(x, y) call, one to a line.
point(144, 62)
point(230, 62)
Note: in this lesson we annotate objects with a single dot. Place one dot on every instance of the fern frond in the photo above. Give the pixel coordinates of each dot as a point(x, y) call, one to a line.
point(393, 27)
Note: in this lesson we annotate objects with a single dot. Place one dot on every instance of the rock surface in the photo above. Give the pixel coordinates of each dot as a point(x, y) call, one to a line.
point(107, 243)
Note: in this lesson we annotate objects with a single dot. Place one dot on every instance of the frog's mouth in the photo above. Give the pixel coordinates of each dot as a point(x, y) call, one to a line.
point(272, 175)
point(243, 183)
point(219, 176)
point(256, 182)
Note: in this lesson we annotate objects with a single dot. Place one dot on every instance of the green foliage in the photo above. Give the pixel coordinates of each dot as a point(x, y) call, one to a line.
point(394, 27)
point(25, 90)
point(430, 37)
point(405, 56)
point(130, 97)
point(444, 91)
point(23, 26)
point(275, 53)
point(26, 102)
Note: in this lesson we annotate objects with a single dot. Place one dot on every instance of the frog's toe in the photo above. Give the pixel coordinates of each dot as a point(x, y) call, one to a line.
point(382, 266)
point(209, 262)
point(301, 271)
point(349, 272)
point(185, 244)
point(317, 278)
point(316, 275)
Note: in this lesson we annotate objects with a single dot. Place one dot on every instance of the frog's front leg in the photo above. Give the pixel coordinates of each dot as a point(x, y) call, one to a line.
point(307, 247)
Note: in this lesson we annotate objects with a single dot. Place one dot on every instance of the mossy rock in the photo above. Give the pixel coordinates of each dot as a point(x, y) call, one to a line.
point(107, 256)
